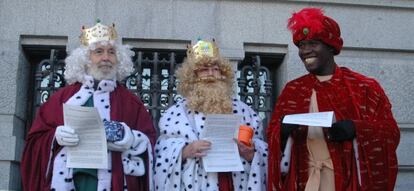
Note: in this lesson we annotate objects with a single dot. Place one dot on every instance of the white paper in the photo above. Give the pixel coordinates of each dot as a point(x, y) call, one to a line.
point(319, 119)
point(91, 152)
point(220, 130)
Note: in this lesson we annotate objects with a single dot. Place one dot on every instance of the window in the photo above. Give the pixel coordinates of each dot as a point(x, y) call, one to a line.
point(256, 77)
point(154, 81)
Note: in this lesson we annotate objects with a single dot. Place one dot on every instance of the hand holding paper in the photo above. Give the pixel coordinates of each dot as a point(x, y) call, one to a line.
point(196, 149)
point(342, 130)
point(66, 136)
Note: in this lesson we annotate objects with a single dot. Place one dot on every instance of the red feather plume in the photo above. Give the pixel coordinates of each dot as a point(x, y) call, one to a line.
point(310, 18)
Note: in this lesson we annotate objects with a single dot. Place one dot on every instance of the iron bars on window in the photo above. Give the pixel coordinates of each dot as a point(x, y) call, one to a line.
point(154, 81)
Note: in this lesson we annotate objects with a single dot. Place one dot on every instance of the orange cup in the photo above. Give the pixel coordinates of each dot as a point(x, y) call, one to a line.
point(245, 134)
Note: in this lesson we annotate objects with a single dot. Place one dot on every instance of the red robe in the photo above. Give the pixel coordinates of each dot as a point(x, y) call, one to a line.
point(125, 107)
point(351, 96)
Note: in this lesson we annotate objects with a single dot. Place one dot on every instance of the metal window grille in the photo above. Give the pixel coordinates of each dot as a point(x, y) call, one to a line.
point(256, 87)
point(154, 81)
point(48, 77)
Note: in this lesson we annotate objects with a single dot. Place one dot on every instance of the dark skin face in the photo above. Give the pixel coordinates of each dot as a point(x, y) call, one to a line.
point(317, 57)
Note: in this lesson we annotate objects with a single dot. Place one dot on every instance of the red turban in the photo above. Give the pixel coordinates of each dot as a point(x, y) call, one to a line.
point(312, 24)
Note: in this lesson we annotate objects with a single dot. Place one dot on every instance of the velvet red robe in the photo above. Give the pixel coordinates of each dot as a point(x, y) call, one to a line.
point(125, 107)
point(351, 96)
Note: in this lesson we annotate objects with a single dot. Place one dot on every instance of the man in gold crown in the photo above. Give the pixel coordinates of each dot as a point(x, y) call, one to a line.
point(206, 82)
point(93, 72)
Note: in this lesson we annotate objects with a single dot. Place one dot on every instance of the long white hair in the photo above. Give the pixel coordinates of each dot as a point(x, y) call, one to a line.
point(78, 60)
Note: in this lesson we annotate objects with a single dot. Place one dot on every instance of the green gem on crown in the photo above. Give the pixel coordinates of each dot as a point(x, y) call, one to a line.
point(305, 31)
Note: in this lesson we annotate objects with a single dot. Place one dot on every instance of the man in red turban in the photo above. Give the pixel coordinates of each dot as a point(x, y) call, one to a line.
point(358, 151)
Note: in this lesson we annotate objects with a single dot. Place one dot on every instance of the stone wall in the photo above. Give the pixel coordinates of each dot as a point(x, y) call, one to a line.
point(377, 42)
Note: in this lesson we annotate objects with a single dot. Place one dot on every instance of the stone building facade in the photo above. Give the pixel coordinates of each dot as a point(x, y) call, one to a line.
point(378, 42)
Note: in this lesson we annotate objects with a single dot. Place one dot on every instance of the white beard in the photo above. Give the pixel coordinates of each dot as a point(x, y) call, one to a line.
point(103, 71)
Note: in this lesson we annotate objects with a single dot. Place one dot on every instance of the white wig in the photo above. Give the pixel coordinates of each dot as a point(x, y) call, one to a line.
point(77, 61)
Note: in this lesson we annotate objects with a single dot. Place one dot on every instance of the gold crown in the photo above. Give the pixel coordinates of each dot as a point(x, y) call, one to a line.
point(97, 33)
point(202, 49)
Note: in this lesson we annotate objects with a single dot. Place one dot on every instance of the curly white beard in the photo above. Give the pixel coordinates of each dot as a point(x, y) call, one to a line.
point(103, 71)
point(211, 97)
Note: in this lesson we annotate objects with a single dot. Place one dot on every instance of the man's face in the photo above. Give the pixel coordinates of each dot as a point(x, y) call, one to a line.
point(103, 62)
point(211, 93)
point(317, 57)
point(209, 73)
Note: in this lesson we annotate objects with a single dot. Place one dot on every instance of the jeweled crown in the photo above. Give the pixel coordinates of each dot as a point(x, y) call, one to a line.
point(97, 33)
point(202, 49)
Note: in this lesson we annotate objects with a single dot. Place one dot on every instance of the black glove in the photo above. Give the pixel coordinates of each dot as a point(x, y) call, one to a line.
point(285, 131)
point(342, 131)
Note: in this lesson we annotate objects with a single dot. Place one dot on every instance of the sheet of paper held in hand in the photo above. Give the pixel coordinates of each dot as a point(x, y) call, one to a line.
point(91, 152)
point(319, 119)
point(221, 129)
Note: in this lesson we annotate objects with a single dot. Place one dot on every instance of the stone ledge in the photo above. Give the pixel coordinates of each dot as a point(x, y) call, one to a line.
point(156, 43)
point(29, 40)
point(368, 3)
